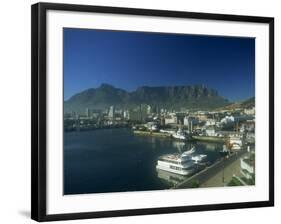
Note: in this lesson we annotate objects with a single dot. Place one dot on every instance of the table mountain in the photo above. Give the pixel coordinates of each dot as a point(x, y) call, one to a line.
point(169, 97)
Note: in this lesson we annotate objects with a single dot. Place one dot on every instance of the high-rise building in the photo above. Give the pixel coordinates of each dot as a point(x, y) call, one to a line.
point(149, 109)
point(126, 114)
point(144, 111)
point(87, 112)
point(111, 112)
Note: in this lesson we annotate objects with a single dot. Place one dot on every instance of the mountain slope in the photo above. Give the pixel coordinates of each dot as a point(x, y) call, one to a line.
point(245, 104)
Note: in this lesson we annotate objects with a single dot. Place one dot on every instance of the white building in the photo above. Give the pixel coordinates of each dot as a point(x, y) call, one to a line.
point(171, 119)
point(250, 111)
point(126, 114)
point(186, 121)
point(149, 109)
point(111, 112)
point(210, 122)
point(247, 167)
point(87, 112)
point(227, 120)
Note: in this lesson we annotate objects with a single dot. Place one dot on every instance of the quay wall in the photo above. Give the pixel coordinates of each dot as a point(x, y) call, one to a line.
point(209, 172)
point(148, 133)
point(209, 138)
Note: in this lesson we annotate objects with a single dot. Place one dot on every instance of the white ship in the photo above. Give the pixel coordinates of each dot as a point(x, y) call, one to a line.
point(177, 163)
point(180, 135)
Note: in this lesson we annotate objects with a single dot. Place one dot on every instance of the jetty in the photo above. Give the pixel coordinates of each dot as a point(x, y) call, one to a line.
point(151, 133)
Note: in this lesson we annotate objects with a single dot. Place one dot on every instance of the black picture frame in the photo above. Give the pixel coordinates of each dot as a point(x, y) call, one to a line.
point(38, 108)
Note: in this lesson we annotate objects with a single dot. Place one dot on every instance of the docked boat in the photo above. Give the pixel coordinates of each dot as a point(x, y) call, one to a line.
point(177, 163)
point(180, 134)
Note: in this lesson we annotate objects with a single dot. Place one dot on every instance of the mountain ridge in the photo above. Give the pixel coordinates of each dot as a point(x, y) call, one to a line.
point(169, 97)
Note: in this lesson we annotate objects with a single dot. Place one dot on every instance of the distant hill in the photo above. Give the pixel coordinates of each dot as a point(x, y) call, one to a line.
point(170, 97)
point(246, 104)
point(249, 103)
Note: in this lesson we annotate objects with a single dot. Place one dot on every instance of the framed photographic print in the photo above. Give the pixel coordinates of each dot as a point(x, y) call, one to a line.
point(138, 111)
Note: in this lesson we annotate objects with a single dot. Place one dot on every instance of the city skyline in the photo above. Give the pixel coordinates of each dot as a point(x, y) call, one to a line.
point(128, 60)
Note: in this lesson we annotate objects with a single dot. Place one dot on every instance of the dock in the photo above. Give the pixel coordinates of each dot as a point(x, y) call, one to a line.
point(193, 138)
point(209, 138)
point(151, 133)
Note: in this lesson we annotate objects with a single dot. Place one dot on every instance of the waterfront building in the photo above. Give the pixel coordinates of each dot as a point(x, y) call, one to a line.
point(202, 116)
point(149, 109)
point(247, 167)
point(250, 137)
point(250, 111)
point(73, 114)
point(171, 119)
point(134, 115)
point(144, 108)
point(248, 125)
point(180, 117)
point(126, 114)
point(210, 122)
point(111, 112)
point(95, 115)
point(87, 112)
point(227, 120)
point(162, 121)
point(186, 121)
point(235, 143)
point(67, 116)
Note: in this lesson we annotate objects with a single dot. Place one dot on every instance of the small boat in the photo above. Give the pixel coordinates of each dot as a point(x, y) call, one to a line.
point(180, 134)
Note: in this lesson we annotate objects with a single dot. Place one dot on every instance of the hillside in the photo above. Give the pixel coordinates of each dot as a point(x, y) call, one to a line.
point(246, 104)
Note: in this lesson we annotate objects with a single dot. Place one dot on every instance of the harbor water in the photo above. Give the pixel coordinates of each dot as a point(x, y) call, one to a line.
point(116, 160)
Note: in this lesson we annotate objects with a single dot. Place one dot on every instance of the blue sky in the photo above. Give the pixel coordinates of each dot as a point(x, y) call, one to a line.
point(128, 60)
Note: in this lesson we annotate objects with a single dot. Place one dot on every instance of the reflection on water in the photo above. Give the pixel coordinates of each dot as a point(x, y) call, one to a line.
point(180, 146)
point(171, 178)
point(116, 160)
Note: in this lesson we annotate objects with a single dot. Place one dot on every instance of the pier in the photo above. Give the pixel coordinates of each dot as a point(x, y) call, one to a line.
point(150, 133)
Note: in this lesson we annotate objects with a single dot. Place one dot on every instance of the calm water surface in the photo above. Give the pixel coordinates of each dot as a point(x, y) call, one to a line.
point(116, 160)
